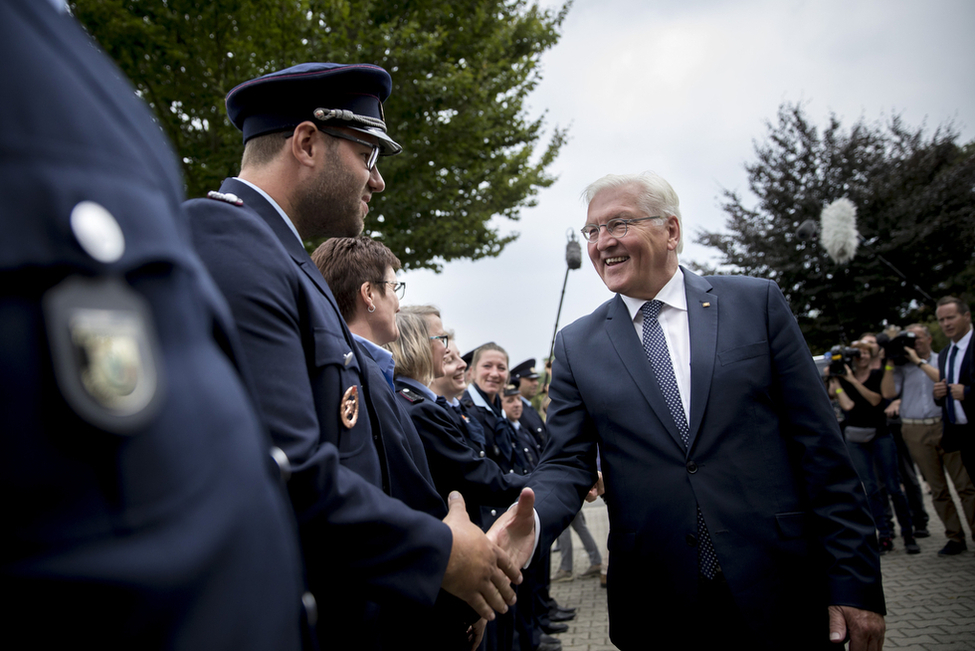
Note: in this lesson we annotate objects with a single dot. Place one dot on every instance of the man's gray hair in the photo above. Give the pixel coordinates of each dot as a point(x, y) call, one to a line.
point(657, 195)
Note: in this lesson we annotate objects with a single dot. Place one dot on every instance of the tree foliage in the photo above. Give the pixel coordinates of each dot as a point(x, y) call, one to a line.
point(915, 199)
point(461, 72)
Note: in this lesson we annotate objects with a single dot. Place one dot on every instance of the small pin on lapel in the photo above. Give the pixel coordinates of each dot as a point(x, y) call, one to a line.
point(348, 358)
point(705, 305)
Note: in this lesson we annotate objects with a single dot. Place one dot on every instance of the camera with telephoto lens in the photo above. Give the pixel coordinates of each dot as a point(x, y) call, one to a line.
point(894, 346)
point(839, 358)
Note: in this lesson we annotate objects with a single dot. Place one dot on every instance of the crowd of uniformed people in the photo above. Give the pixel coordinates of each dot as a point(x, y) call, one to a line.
point(214, 440)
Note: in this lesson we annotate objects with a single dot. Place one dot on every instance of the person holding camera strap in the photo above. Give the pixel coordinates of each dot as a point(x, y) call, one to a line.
point(871, 446)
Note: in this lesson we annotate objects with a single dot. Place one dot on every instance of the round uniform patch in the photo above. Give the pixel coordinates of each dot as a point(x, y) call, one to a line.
point(349, 409)
point(105, 352)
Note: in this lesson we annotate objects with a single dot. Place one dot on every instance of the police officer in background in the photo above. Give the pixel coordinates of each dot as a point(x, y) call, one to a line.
point(313, 135)
point(141, 509)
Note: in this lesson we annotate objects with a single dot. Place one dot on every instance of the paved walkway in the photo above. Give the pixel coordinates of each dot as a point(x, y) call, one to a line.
point(930, 598)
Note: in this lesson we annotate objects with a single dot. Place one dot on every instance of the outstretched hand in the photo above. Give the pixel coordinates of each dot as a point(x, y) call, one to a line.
point(514, 531)
point(479, 571)
point(865, 628)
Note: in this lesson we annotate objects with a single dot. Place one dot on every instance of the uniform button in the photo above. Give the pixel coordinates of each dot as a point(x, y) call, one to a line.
point(511, 471)
point(311, 607)
point(494, 512)
point(481, 454)
point(97, 232)
point(691, 467)
point(282, 462)
point(691, 540)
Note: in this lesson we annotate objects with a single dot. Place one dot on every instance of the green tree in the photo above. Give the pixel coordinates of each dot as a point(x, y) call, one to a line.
point(461, 73)
point(915, 199)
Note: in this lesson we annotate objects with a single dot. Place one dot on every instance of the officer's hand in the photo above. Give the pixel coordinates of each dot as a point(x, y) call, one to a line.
point(957, 391)
point(514, 531)
point(865, 628)
point(478, 570)
point(940, 389)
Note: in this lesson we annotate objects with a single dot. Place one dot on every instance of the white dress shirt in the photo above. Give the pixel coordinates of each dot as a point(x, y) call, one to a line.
point(962, 346)
point(673, 321)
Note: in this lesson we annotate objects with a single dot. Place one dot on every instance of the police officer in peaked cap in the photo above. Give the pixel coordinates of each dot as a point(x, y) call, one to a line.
point(313, 135)
point(141, 506)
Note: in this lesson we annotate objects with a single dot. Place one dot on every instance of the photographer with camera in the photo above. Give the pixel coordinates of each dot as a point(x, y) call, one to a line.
point(921, 428)
point(871, 446)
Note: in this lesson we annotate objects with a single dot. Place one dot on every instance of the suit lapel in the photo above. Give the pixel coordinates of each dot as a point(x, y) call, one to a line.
point(702, 321)
point(622, 335)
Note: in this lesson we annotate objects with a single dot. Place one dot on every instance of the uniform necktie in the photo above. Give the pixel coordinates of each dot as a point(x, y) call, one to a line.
point(655, 346)
point(949, 401)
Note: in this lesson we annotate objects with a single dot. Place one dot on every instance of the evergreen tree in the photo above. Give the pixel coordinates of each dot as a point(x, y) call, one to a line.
point(915, 199)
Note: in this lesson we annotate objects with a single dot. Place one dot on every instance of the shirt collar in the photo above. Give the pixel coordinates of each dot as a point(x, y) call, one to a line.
point(419, 387)
point(671, 294)
point(962, 344)
point(284, 216)
point(383, 358)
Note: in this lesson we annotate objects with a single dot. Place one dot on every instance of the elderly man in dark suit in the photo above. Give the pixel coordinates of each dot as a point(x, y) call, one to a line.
point(736, 516)
point(313, 134)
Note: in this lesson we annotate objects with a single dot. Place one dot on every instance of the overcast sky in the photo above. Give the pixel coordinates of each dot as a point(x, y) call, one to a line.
point(683, 88)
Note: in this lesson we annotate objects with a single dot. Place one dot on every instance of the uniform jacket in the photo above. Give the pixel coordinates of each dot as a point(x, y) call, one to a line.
point(765, 463)
point(307, 368)
point(454, 464)
point(166, 527)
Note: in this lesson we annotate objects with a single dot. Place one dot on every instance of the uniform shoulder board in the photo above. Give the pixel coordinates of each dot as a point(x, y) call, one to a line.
point(412, 396)
point(226, 197)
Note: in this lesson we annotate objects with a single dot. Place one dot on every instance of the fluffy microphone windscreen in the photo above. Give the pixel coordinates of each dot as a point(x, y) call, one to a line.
point(838, 232)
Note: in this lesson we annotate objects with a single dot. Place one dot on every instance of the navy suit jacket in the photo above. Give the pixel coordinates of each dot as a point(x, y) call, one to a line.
point(765, 462)
point(953, 439)
point(304, 361)
point(174, 533)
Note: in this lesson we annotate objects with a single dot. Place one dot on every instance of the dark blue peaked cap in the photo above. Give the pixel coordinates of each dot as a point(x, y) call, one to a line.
point(328, 94)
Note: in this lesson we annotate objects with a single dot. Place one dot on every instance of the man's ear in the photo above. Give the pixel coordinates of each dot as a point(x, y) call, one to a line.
point(673, 232)
point(305, 142)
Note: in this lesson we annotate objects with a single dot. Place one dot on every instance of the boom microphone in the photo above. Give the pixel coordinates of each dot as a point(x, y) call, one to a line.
point(808, 230)
point(839, 230)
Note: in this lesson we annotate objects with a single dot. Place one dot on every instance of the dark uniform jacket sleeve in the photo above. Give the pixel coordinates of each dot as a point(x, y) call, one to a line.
point(162, 527)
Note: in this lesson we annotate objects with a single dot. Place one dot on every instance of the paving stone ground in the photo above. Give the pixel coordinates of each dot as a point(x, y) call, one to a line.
point(930, 598)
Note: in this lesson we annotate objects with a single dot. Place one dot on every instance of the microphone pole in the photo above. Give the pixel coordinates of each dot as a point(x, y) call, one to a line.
point(573, 260)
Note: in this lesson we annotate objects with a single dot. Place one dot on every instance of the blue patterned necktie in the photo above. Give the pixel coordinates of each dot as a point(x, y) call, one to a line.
point(655, 345)
point(950, 371)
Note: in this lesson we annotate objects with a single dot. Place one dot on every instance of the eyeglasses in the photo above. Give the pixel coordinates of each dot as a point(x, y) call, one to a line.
point(615, 227)
point(373, 155)
point(444, 339)
point(398, 286)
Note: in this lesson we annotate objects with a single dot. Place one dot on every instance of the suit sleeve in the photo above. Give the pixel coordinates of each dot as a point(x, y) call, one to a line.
point(380, 541)
point(841, 520)
point(567, 469)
